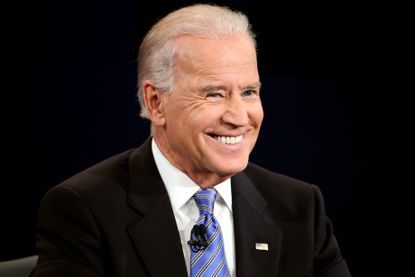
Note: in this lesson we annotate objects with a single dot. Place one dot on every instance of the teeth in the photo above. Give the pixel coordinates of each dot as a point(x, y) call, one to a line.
point(229, 140)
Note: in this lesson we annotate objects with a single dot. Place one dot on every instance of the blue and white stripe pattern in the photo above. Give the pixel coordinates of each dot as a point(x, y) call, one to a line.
point(210, 261)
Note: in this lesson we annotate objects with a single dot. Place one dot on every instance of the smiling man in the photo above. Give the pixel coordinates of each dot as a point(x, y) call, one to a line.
point(208, 123)
point(188, 202)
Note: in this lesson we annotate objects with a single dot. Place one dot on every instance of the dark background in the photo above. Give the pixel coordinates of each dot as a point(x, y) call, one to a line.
point(336, 94)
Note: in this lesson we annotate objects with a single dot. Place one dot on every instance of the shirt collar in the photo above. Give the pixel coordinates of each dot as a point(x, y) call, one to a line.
point(179, 186)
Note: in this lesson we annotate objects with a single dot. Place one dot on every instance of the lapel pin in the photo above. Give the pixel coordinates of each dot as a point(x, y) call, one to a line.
point(261, 246)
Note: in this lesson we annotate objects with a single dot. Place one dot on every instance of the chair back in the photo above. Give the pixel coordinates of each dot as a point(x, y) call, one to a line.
point(18, 267)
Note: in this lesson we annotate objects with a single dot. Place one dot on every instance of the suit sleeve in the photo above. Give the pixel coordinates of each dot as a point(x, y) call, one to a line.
point(328, 261)
point(68, 238)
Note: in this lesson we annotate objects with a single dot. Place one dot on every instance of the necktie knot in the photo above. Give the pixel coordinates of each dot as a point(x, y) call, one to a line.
point(205, 200)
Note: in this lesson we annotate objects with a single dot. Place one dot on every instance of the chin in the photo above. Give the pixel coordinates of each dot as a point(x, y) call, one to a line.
point(232, 169)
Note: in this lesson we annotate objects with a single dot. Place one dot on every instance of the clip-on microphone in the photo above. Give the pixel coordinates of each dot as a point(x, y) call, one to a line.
point(198, 238)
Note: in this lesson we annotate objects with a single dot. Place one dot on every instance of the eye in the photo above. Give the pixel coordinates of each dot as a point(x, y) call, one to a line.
point(214, 96)
point(249, 93)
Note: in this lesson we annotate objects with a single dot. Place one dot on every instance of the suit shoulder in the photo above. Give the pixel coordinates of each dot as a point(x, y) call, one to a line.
point(270, 183)
point(106, 175)
point(282, 192)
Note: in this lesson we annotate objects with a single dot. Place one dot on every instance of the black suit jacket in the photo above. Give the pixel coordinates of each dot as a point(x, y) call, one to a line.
point(115, 219)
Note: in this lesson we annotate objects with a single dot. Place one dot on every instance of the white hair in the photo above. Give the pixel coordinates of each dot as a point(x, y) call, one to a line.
point(157, 51)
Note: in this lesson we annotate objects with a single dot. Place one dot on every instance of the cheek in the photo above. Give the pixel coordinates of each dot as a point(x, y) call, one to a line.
point(206, 117)
point(257, 114)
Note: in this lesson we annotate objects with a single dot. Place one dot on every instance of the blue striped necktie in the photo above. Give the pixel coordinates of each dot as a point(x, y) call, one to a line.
point(208, 261)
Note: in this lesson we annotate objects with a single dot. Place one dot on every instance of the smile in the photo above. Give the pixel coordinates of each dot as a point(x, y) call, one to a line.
point(229, 140)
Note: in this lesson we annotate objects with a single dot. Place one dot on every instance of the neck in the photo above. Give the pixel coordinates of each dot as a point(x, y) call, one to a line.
point(204, 179)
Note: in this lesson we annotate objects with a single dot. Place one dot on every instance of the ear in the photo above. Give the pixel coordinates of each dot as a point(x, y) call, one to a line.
point(154, 100)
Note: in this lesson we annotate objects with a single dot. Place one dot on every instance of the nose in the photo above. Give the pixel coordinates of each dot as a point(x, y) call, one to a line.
point(236, 112)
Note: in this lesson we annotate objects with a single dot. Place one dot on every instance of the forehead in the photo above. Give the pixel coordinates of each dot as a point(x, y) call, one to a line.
point(227, 54)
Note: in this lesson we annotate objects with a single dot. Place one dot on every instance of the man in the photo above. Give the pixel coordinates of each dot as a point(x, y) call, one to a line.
point(144, 212)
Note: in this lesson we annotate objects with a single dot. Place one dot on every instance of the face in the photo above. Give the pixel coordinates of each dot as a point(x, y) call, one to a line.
point(212, 118)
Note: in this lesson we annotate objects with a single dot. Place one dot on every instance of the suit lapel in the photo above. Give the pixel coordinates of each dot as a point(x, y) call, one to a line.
point(154, 234)
point(257, 239)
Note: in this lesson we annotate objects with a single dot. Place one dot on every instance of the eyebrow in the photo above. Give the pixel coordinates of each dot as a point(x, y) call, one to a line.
point(210, 88)
point(256, 85)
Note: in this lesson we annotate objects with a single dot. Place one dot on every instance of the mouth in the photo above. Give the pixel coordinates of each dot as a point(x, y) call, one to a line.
point(229, 140)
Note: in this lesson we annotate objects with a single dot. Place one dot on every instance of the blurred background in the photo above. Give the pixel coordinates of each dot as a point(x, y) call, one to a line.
point(336, 93)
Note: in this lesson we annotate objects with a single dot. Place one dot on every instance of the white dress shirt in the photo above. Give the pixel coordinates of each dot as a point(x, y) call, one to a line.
point(181, 189)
